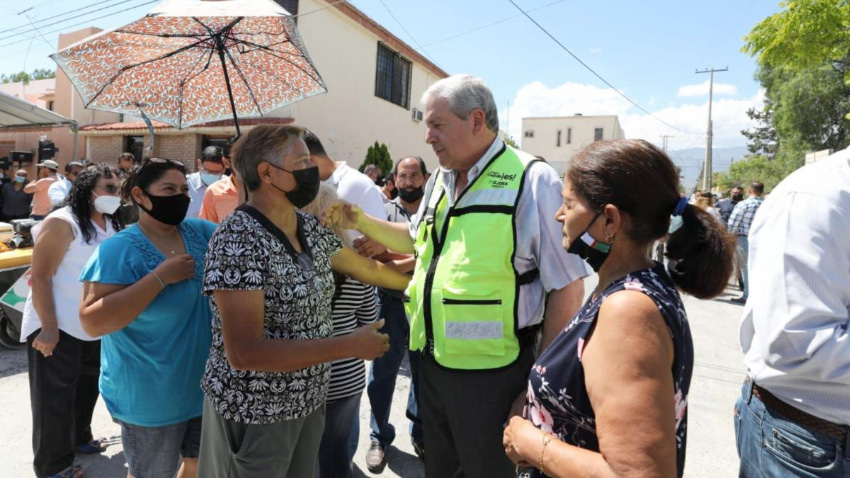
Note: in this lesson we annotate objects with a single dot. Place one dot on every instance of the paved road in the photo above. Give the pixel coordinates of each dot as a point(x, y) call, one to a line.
point(718, 376)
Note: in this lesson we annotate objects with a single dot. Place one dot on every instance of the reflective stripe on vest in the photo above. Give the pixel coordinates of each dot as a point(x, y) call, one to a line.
point(464, 293)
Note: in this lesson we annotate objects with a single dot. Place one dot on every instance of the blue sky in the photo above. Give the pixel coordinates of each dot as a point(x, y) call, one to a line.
point(649, 50)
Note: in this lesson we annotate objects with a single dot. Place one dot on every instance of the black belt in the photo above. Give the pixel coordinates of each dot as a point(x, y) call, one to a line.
point(798, 416)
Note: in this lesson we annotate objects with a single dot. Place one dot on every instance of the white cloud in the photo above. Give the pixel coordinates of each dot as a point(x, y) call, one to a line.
point(701, 89)
point(729, 115)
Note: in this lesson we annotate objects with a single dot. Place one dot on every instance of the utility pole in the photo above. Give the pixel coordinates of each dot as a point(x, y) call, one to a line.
point(706, 176)
point(664, 138)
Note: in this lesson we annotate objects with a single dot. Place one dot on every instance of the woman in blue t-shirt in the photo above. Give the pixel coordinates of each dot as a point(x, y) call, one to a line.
point(142, 293)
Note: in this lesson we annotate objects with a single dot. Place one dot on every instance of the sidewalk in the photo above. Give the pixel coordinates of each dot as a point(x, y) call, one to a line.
point(717, 380)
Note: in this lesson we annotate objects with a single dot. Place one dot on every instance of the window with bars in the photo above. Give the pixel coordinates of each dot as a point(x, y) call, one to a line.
point(392, 77)
point(597, 134)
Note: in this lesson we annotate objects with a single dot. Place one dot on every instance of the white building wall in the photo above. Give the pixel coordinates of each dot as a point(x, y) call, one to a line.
point(349, 117)
point(540, 136)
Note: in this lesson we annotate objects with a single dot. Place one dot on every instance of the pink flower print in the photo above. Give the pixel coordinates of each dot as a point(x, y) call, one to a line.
point(580, 348)
point(633, 283)
point(541, 417)
point(681, 407)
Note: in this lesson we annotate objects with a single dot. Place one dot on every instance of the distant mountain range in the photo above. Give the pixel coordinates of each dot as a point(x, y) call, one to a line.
point(691, 161)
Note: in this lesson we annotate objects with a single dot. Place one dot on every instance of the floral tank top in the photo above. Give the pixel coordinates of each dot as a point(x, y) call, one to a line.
point(557, 400)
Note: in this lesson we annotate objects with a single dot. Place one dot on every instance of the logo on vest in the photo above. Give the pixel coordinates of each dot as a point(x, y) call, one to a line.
point(500, 180)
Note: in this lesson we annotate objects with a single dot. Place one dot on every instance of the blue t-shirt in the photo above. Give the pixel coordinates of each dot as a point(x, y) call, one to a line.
point(150, 371)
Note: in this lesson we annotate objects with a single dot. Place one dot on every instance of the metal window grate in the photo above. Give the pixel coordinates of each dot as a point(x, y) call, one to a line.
point(392, 77)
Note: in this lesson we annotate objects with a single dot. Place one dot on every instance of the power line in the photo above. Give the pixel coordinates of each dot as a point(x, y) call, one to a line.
point(597, 74)
point(85, 22)
point(482, 27)
point(42, 20)
point(405, 29)
point(67, 19)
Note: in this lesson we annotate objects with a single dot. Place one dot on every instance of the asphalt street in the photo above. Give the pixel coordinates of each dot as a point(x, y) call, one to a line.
point(717, 380)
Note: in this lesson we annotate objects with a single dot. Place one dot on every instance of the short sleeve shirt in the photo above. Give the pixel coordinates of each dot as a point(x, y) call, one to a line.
point(247, 252)
point(151, 369)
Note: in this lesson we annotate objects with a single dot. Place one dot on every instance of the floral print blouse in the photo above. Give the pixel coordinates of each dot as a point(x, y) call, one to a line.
point(557, 400)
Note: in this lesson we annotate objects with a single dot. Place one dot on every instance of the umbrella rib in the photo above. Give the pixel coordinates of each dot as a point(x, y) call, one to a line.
point(190, 77)
point(244, 80)
point(269, 51)
point(160, 35)
point(257, 46)
point(128, 67)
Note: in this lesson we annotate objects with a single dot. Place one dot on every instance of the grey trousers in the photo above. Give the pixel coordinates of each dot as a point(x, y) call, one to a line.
point(286, 449)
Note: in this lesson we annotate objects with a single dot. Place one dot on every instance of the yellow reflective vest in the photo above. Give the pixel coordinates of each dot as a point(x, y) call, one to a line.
point(464, 294)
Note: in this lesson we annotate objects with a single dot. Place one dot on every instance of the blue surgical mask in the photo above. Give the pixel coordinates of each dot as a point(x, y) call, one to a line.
point(208, 178)
point(20, 179)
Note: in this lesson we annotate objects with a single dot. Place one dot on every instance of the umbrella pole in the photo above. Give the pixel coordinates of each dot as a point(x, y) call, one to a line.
point(220, 47)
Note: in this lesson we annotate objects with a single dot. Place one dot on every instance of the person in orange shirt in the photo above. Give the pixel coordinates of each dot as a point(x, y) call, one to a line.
point(220, 199)
point(41, 203)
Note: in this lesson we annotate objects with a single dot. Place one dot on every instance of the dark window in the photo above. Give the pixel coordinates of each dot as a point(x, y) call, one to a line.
point(558, 143)
point(529, 134)
point(135, 145)
point(392, 77)
point(290, 6)
point(221, 142)
point(569, 135)
point(50, 105)
point(597, 134)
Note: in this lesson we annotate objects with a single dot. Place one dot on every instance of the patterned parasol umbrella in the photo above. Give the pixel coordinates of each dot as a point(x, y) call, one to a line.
point(194, 61)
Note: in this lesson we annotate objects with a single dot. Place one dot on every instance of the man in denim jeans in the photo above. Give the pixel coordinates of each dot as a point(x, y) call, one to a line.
point(793, 416)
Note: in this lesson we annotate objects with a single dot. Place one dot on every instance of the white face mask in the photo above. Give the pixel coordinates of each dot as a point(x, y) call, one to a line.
point(106, 204)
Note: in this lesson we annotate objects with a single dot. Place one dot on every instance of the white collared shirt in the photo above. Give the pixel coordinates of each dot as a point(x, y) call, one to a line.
point(794, 332)
point(539, 238)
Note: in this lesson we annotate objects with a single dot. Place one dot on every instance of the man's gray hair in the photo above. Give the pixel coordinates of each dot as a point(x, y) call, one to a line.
point(465, 94)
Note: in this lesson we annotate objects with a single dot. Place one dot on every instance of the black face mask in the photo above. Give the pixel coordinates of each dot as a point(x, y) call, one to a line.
point(169, 210)
point(592, 251)
point(307, 186)
point(737, 197)
point(411, 195)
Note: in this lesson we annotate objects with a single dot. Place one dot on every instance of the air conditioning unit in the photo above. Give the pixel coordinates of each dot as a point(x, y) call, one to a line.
point(417, 114)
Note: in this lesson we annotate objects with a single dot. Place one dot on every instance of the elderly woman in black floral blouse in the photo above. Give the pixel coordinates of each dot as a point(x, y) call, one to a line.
point(269, 272)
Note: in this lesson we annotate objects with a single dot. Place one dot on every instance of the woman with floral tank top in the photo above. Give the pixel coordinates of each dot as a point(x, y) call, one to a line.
point(609, 396)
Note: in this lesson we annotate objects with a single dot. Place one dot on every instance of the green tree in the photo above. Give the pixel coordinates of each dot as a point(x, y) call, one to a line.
point(762, 138)
point(509, 140)
point(378, 154)
point(806, 34)
point(755, 168)
point(22, 76)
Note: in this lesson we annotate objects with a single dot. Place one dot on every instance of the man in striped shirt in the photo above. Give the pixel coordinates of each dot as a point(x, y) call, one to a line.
point(739, 224)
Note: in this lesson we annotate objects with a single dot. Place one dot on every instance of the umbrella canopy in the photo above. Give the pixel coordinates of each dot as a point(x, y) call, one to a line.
point(191, 61)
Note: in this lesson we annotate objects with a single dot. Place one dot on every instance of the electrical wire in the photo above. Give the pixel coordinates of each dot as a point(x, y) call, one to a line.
point(424, 52)
point(65, 20)
point(482, 27)
point(597, 74)
point(42, 20)
point(85, 22)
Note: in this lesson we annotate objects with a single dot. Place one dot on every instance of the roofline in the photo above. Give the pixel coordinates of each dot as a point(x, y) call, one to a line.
point(572, 116)
point(391, 40)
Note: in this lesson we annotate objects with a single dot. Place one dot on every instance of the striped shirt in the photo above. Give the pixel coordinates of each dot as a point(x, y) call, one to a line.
point(743, 214)
point(354, 306)
point(796, 327)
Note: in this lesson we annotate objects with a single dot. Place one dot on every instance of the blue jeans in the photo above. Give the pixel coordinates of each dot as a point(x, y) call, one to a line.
point(744, 248)
point(383, 373)
point(334, 452)
point(771, 446)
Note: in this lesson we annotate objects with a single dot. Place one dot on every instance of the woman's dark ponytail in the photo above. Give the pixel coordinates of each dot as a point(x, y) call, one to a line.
point(703, 252)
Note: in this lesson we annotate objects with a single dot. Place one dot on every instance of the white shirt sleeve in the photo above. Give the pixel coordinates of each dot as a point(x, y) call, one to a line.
point(57, 192)
point(796, 320)
point(539, 234)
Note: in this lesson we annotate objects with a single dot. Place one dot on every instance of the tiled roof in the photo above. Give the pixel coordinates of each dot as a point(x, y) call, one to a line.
point(162, 126)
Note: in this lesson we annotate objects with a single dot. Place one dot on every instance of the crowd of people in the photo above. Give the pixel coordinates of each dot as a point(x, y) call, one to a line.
point(224, 316)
